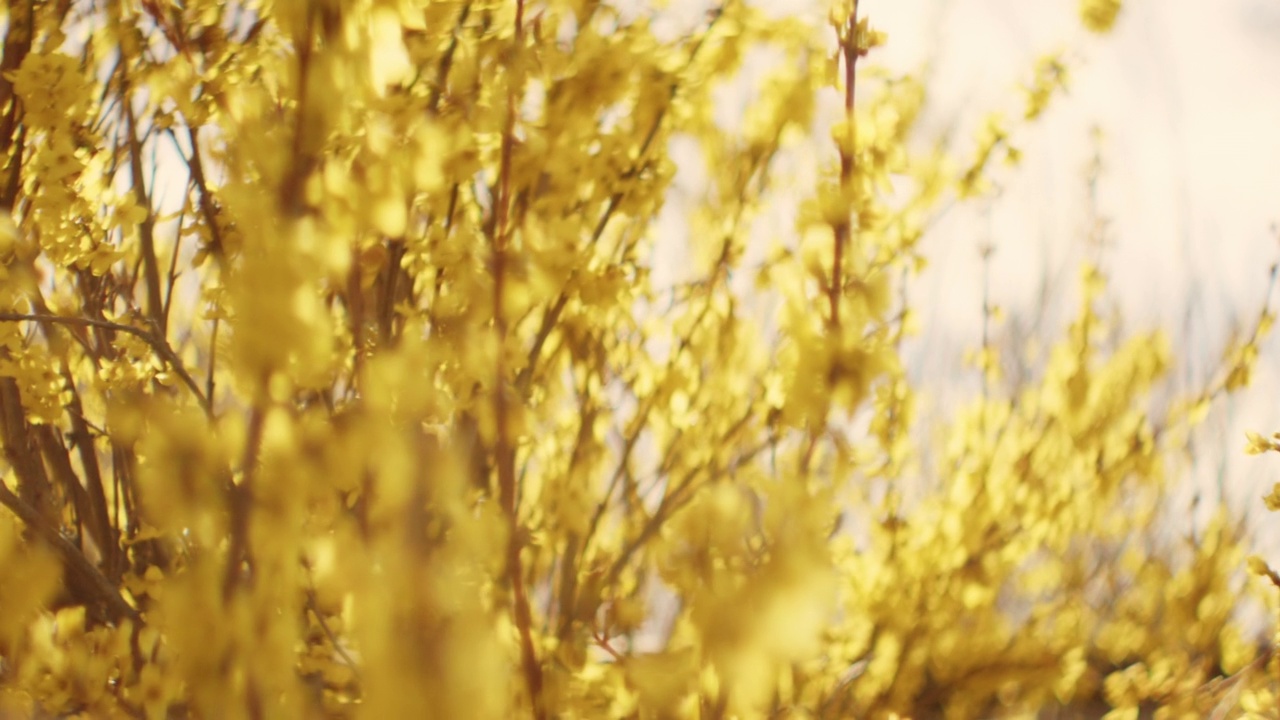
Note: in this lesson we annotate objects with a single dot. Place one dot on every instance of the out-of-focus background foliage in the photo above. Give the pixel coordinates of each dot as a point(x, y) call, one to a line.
point(1179, 97)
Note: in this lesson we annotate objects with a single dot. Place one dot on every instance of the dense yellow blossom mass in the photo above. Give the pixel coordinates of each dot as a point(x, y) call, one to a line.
point(335, 381)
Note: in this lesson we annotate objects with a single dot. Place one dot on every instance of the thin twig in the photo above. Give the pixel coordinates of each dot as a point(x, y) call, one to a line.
point(552, 316)
point(239, 504)
point(314, 607)
point(146, 229)
point(505, 452)
point(161, 347)
point(75, 561)
point(843, 230)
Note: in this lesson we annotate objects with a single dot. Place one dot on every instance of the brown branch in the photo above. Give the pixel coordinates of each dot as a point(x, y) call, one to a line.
point(17, 43)
point(14, 181)
point(88, 512)
point(146, 229)
point(23, 454)
point(209, 382)
point(240, 502)
point(843, 231)
point(157, 344)
point(292, 198)
point(386, 313)
point(207, 209)
point(105, 535)
point(446, 62)
point(569, 559)
point(314, 607)
point(504, 452)
point(77, 565)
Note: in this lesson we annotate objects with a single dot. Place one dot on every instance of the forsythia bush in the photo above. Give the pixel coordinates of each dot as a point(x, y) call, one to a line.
point(335, 381)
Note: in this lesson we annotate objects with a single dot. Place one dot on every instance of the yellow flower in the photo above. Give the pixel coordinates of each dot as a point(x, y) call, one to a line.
point(1099, 15)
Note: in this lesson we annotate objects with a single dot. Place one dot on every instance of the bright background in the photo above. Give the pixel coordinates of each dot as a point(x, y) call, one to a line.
point(1186, 97)
point(1188, 105)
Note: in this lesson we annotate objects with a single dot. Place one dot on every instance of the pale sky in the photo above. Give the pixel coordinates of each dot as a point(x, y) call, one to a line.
point(1185, 99)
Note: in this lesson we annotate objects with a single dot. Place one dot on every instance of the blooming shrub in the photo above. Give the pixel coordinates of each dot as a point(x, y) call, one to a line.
point(336, 381)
